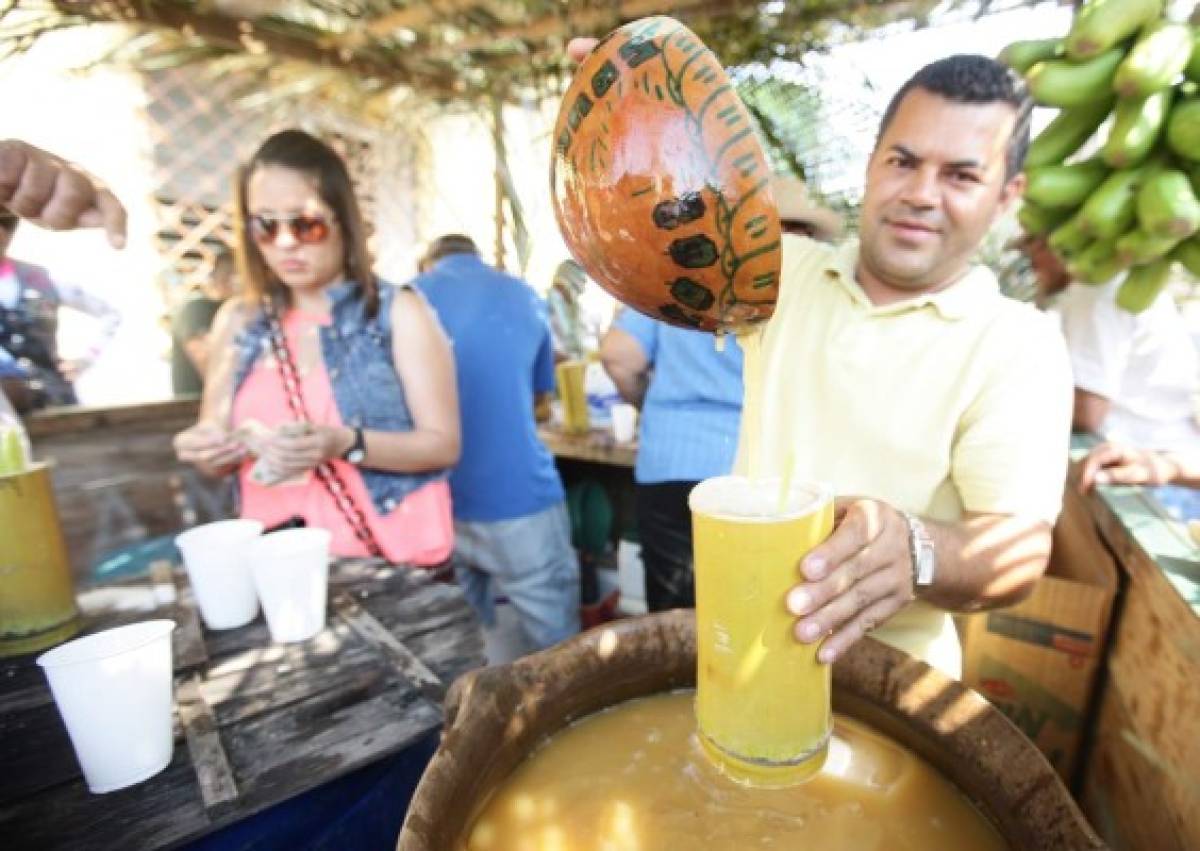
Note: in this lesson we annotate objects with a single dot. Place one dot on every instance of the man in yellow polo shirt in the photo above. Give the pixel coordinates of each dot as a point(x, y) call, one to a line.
point(896, 371)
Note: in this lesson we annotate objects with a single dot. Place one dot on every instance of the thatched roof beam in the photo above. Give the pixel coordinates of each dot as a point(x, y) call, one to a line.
point(570, 24)
point(415, 16)
point(249, 37)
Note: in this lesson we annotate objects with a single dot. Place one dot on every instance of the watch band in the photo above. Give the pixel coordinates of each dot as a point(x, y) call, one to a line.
point(920, 549)
point(358, 449)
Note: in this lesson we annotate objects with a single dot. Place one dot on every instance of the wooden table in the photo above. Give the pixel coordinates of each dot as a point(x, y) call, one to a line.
point(596, 446)
point(257, 723)
point(1141, 785)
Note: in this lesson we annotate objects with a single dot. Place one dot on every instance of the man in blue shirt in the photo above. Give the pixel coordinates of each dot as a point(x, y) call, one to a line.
point(690, 396)
point(510, 517)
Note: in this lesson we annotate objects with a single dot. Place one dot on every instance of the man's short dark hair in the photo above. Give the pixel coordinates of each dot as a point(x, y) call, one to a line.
point(970, 78)
point(451, 243)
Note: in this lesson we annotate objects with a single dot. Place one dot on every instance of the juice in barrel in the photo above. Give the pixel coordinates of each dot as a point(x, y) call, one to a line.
point(762, 698)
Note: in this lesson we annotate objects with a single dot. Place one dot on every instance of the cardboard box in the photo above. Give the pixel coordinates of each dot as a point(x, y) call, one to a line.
point(1037, 661)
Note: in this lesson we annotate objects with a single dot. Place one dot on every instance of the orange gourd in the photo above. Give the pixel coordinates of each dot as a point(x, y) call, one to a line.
point(660, 187)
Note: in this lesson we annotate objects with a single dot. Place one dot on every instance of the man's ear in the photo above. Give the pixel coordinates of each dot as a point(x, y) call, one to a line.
point(1012, 191)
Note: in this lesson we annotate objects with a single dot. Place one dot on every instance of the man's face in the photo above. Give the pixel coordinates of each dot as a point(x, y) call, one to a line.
point(935, 184)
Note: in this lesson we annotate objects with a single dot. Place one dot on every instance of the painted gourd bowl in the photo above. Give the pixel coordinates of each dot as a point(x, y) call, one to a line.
point(660, 186)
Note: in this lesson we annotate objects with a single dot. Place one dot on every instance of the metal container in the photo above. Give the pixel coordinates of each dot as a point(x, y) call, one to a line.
point(37, 594)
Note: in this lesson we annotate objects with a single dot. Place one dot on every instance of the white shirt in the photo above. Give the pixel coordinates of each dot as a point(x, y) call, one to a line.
point(1145, 364)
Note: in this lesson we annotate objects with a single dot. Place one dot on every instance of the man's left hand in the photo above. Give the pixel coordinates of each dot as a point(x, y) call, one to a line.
point(857, 579)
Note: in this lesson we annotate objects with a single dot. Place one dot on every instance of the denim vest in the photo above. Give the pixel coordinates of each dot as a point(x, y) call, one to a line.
point(357, 352)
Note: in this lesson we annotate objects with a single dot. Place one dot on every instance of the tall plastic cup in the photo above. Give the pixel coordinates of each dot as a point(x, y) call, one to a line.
point(570, 378)
point(291, 573)
point(215, 557)
point(113, 690)
point(762, 698)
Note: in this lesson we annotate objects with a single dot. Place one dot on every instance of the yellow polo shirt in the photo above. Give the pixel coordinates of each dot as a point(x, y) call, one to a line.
point(943, 403)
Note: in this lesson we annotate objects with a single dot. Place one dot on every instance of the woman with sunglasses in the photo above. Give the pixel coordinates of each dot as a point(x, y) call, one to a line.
point(331, 394)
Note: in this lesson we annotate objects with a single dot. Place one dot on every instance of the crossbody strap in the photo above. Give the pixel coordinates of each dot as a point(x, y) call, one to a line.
point(325, 471)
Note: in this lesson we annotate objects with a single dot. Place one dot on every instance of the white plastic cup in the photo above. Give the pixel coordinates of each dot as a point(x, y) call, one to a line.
point(113, 690)
point(291, 573)
point(624, 422)
point(215, 557)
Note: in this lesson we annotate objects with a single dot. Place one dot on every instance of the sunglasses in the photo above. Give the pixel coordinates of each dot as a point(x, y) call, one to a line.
point(306, 230)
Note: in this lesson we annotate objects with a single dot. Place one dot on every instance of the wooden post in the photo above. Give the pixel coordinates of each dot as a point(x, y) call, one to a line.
point(498, 147)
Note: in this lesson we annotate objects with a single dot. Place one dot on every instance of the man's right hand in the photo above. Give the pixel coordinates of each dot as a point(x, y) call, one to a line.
point(55, 194)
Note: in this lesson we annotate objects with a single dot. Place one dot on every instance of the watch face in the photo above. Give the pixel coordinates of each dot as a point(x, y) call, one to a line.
point(355, 456)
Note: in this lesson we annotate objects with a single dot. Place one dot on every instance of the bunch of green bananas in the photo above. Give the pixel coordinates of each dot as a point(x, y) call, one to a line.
point(1134, 204)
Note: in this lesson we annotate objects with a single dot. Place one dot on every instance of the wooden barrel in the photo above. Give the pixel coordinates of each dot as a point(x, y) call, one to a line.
point(496, 716)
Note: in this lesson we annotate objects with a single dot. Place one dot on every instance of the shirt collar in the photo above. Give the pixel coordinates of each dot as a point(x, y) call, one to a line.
point(957, 301)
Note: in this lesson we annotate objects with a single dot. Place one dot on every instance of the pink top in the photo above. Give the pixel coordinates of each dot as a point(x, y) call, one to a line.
point(420, 530)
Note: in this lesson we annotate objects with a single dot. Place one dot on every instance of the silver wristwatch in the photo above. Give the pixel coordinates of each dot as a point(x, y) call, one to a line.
point(920, 548)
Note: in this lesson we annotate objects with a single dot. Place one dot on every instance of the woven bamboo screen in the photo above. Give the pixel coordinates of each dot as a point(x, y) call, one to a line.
point(201, 129)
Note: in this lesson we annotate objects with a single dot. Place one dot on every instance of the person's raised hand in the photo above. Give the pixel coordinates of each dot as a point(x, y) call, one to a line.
point(578, 48)
point(53, 193)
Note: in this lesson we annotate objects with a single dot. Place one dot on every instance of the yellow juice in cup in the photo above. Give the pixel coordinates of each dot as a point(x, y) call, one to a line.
point(762, 699)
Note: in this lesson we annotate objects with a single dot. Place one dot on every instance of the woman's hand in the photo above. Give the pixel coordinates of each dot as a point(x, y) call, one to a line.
point(296, 448)
point(1114, 464)
point(210, 448)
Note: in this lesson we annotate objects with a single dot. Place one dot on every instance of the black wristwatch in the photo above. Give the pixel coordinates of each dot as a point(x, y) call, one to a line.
point(358, 449)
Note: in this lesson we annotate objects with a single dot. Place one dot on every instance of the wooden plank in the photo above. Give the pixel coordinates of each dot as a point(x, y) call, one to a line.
point(154, 814)
point(1123, 790)
point(374, 633)
point(1146, 743)
point(596, 446)
point(217, 786)
point(82, 420)
point(171, 588)
point(1149, 734)
point(35, 752)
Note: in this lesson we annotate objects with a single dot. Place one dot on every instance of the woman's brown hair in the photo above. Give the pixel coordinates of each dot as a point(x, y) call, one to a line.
point(308, 155)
